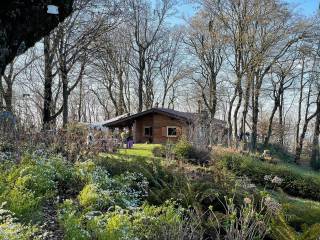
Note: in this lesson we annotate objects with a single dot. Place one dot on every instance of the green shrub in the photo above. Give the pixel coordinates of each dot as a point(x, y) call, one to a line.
point(280, 230)
point(118, 227)
point(295, 181)
point(24, 203)
point(95, 198)
point(6, 146)
point(102, 190)
point(36, 179)
point(164, 222)
point(183, 148)
point(11, 229)
point(147, 222)
point(159, 151)
point(300, 212)
point(71, 221)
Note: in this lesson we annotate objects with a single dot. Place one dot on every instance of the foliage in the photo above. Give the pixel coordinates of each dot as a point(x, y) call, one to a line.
point(315, 162)
point(11, 229)
point(6, 146)
point(35, 180)
point(300, 212)
point(183, 149)
point(102, 191)
point(279, 152)
point(282, 231)
point(146, 222)
point(159, 151)
point(70, 219)
point(296, 181)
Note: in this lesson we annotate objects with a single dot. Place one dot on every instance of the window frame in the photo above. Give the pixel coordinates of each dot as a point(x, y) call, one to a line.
point(173, 136)
point(144, 131)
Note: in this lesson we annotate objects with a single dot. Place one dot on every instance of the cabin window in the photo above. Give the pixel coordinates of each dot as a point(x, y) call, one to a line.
point(148, 131)
point(171, 131)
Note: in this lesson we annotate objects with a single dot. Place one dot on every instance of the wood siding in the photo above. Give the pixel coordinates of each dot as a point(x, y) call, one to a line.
point(159, 124)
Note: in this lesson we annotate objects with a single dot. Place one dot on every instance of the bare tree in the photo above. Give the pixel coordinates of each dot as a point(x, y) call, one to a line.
point(171, 68)
point(147, 25)
point(206, 41)
point(280, 83)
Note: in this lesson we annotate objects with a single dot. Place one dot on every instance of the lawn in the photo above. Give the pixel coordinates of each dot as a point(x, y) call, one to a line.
point(142, 150)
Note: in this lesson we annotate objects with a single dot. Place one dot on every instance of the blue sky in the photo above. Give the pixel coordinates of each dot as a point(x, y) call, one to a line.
point(303, 7)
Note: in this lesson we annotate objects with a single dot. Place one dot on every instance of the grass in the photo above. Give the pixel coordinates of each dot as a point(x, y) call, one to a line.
point(279, 153)
point(297, 181)
point(300, 212)
point(142, 150)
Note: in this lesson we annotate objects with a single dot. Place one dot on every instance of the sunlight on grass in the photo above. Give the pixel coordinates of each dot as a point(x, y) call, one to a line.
point(143, 150)
point(139, 151)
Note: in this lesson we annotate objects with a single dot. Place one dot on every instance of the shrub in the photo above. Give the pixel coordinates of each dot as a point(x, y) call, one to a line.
point(159, 151)
point(36, 179)
point(11, 229)
point(148, 222)
point(300, 212)
point(118, 227)
point(280, 230)
point(183, 148)
point(199, 156)
point(102, 191)
point(6, 146)
point(23, 203)
point(93, 197)
point(164, 222)
point(295, 181)
point(71, 221)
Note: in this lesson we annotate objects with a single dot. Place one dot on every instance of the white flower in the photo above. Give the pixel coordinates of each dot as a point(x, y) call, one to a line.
point(247, 200)
point(272, 205)
point(277, 180)
point(267, 177)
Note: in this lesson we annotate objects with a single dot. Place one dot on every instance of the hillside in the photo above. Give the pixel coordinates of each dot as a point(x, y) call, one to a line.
point(132, 194)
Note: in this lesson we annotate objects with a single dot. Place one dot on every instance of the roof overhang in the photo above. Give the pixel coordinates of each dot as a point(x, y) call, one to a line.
point(129, 120)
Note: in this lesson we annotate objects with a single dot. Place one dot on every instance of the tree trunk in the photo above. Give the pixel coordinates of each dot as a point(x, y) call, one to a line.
point(142, 65)
point(305, 127)
point(65, 98)
point(245, 108)
point(274, 109)
point(1, 95)
point(80, 101)
point(48, 82)
point(297, 156)
point(121, 96)
point(281, 137)
point(230, 117)
point(315, 154)
point(213, 94)
point(8, 97)
point(300, 103)
point(255, 115)
point(256, 86)
point(235, 114)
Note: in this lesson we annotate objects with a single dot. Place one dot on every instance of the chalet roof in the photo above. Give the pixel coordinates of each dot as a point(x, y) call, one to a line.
point(188, 117)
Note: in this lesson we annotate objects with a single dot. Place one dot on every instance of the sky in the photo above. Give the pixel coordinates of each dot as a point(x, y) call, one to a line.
point(303, 7)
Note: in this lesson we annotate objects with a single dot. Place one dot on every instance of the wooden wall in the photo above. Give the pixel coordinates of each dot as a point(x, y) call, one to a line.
point(159, 124)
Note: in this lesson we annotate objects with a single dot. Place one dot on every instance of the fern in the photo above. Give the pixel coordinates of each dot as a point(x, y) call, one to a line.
point(282, 231)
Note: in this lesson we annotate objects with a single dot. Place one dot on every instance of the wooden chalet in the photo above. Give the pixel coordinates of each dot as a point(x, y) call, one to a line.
point(156, 125)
